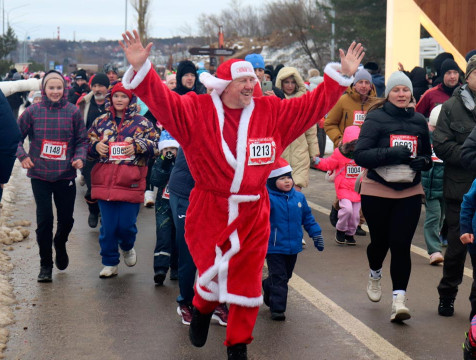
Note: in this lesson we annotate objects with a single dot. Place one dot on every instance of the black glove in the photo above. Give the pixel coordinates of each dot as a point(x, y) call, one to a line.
point(84, 88)
point(167, 162)
point(419, 163)
point(399, 154)
point(318, 242)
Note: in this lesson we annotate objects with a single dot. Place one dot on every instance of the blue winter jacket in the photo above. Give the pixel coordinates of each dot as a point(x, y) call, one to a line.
point(289, 213)
point(468, 215)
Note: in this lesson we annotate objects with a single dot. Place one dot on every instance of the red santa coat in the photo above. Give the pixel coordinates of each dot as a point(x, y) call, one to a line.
point(227, 227)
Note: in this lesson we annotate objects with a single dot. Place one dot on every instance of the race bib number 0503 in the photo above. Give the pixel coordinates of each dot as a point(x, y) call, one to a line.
point(410, 141)
point(53, 150)
point(261, 151)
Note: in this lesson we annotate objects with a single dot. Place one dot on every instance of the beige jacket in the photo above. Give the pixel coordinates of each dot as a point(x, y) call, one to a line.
point(299, 153)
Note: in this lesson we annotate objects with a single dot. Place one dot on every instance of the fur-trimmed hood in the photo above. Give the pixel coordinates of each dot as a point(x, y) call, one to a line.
point(286, 72)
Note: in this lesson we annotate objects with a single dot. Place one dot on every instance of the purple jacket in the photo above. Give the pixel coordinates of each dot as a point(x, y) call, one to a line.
point(53, 121)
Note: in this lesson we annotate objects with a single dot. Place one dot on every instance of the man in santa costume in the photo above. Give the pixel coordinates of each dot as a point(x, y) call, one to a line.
point(231, 141)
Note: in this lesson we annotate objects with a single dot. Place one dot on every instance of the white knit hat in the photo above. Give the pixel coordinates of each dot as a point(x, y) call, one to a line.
point(434, 115)
point(398, 78)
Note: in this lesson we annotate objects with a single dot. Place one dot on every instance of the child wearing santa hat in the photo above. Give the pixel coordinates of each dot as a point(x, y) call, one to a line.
point(289, 213)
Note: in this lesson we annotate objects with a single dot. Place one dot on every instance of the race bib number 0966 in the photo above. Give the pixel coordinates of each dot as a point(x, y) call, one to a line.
point(261, 151)
point(410, 141)
point(117, 151)
point(53, 150)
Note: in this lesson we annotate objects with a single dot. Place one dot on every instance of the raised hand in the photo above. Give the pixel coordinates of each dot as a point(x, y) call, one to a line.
point(135, 52)
point(351, 61)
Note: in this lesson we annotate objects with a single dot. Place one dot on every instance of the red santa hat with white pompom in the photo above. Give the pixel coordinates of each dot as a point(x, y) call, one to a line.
point(281, 167)
point(227, 72)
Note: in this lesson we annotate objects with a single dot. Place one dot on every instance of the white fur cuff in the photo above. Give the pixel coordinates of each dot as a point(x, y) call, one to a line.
point(333, 70)
point(130, 81)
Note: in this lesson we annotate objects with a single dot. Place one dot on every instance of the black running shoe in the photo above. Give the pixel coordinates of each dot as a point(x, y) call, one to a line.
point(446, 307)
point(45, 274)
point(237, 352)
point(199, 326)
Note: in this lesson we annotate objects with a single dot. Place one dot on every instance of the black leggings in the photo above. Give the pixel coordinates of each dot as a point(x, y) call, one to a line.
point(392, 224)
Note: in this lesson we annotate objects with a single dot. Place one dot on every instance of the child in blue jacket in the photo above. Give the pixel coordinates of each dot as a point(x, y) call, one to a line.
point(467, 229)
point(289, 213)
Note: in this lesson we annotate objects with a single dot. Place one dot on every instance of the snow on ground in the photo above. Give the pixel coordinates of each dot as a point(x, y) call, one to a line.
point(12, 230)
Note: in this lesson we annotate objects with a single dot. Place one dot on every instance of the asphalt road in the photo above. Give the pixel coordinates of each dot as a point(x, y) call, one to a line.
point(329, 316)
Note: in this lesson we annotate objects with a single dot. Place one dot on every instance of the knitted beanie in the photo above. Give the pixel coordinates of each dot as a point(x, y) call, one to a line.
point(256, 60)
point(120, 88)
point(52, 74)
point(434, 115)
point(101, 79)
point(449, 64)
point(362, 74)
point(471, 66)
point(398, 78)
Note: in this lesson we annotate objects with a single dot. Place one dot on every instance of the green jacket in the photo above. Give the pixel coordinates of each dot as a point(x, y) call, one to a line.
point(432, 180)
point(454, 125)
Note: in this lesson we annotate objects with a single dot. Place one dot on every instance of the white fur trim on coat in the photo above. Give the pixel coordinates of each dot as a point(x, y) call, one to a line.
point(333, 71)
point(213, 83)
point(10, 87)
point(131, 80)
point(278, 172)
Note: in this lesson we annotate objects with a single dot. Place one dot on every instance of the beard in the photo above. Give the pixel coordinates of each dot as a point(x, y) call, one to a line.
point(99, 96)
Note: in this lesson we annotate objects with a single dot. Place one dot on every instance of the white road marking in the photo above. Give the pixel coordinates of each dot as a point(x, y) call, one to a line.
point(417, 250)
point(369, 338)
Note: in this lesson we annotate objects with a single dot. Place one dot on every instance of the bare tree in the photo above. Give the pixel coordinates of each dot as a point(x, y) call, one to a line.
point(237, 20)
point(142, 8)
point(304, 22)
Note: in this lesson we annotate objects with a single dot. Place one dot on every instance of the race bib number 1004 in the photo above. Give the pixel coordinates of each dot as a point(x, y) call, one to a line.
point(261, 151)
point(410, 141)
point(53, 150)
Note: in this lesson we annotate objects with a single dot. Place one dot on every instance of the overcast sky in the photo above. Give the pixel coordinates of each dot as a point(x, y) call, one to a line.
point(96, 19)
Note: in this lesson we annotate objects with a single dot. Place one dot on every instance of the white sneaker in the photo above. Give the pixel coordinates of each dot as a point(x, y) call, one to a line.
point(108, 271)
point(130, 257)
point(399, 311)
point(149, 200)
point(374, 289)
point(436, 258)
point(303, 242)
point(82, 181)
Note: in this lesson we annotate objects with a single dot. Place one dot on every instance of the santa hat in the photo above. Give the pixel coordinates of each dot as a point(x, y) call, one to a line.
point(166, 140)
point(281, 167)
point(227, 72)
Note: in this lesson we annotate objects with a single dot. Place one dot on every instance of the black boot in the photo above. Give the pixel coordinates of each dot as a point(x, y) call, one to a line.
point(446, 307)
point(62, 259)
point(237, 352)
point(360, 231)
point(45, 274)
point(93, 220)
point(199, 325)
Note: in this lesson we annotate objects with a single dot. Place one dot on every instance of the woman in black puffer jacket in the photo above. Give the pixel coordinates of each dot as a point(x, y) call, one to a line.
point(394, 145)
